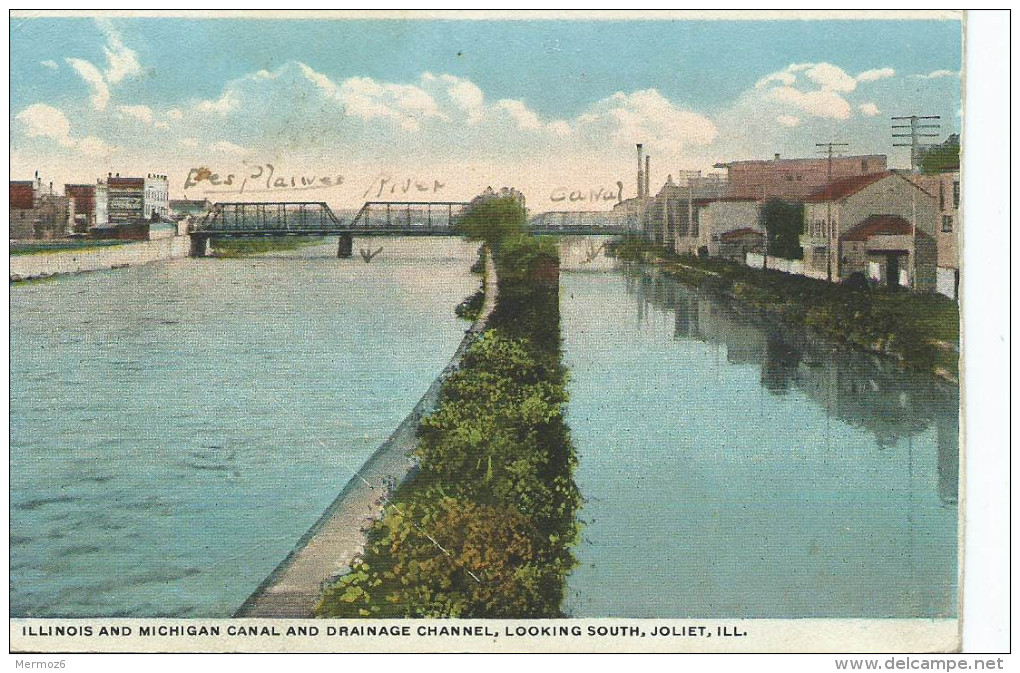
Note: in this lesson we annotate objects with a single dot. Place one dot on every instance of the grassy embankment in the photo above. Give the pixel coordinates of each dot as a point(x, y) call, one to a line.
point(485, 526)
point(920, 330)
point(245, 247)
point(61, 246)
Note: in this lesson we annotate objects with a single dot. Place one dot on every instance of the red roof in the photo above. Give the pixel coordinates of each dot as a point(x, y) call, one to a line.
point(840, 189)
point(717, 199)
point(125, 182)
point(736, 234)
point(878, 225)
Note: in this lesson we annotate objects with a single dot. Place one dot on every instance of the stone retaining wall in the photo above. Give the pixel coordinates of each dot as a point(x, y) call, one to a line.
point(326, 551)
point(41, 265)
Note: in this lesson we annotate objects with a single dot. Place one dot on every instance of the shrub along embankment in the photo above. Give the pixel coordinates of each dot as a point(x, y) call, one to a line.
point(485, 526)
point(920, 330)
point(244, 247)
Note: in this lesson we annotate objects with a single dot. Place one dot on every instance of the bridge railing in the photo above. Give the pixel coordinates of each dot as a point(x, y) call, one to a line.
point(408, 215)
point(393, 217)
point(269, 217)
point(587, 220)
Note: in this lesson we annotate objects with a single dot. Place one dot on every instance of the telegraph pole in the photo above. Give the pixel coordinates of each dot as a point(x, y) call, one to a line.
point(917, 131)
point(828, 204)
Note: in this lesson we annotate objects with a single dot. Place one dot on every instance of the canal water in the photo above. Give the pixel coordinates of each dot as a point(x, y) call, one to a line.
point(735, 468)
point(177, 427)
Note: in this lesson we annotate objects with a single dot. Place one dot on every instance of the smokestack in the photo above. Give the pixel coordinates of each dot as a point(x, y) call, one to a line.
point(619, 191)
point(648, 175)
point(640, 173)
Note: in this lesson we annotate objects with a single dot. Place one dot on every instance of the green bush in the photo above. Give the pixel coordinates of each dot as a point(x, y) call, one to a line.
point(486, 525)
point(439, 556)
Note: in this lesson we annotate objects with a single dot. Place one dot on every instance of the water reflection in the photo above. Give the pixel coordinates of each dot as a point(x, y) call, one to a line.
point(862, 390)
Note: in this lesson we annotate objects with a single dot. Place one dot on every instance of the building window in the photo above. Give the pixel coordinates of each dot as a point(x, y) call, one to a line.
point(942, 195)
point(956, 193)
point(947, 224)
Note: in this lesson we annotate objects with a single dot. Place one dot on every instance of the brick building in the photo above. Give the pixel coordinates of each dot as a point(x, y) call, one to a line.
point(794, 179)
point(36, 213)
point(84, 206)
point(882, 226)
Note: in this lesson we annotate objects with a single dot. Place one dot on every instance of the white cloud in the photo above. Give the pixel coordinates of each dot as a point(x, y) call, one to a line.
point(464, 94)
point(100, 96)
point(519, 112)
point(822, 103)
point(937, 74)
point(94, 147)
point(142, 113)
point(645, 116)
point(830, 77)
point(814, 89)
point(175, 113)
point(222, 105)
point(869, 109)
point(784, 77)
point(121, 62)
point(52, 65)
point(788, 120)
point(161, 125)
point(44, 121)
point(367, 99)
point(875, 74)
point(188, 142)
point(444, 109)
point(226, 147)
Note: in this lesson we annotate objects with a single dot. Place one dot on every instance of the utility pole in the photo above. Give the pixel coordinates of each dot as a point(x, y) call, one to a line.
point(916, 132)
point(690, 213)
point(765, 229)
point(828, 204)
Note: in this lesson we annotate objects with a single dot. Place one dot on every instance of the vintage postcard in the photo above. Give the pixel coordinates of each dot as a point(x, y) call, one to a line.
point(423, 332)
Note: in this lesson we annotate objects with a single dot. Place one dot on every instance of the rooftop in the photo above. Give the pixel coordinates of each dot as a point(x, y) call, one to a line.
point(842, 188)
point(879, 225)
point(737, 234)
point(751, 162)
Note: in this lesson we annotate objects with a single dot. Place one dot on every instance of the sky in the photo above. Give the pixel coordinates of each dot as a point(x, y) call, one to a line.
point(439, 109)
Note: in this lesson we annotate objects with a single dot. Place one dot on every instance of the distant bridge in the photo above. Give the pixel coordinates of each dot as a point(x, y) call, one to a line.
point(376, 218)
point(584, 223)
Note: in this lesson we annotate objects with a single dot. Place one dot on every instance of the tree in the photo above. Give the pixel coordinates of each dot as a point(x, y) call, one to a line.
point(942, 157)
point(784, 223)
point(493, 218)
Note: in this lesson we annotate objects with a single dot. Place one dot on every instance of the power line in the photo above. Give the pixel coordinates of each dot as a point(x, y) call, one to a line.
point(828, 204)
point(916, 132)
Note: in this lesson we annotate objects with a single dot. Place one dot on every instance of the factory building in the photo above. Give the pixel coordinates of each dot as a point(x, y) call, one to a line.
point(36, 213)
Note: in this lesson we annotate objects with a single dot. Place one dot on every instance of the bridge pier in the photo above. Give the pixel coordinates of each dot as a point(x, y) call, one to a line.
point(199, 246)
point(345, 246)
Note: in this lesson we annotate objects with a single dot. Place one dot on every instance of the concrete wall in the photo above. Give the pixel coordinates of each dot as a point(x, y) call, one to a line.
point(796, 267)
point(327, 550)
point(722, 216)
point(892, 195)
point(95, 259)
point(946, 282)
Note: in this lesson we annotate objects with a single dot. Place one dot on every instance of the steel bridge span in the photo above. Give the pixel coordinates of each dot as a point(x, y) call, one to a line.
point(375, 218)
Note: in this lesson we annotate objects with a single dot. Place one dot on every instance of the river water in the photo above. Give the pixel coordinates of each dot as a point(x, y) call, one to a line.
point(176, 428)
point(736, 468)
